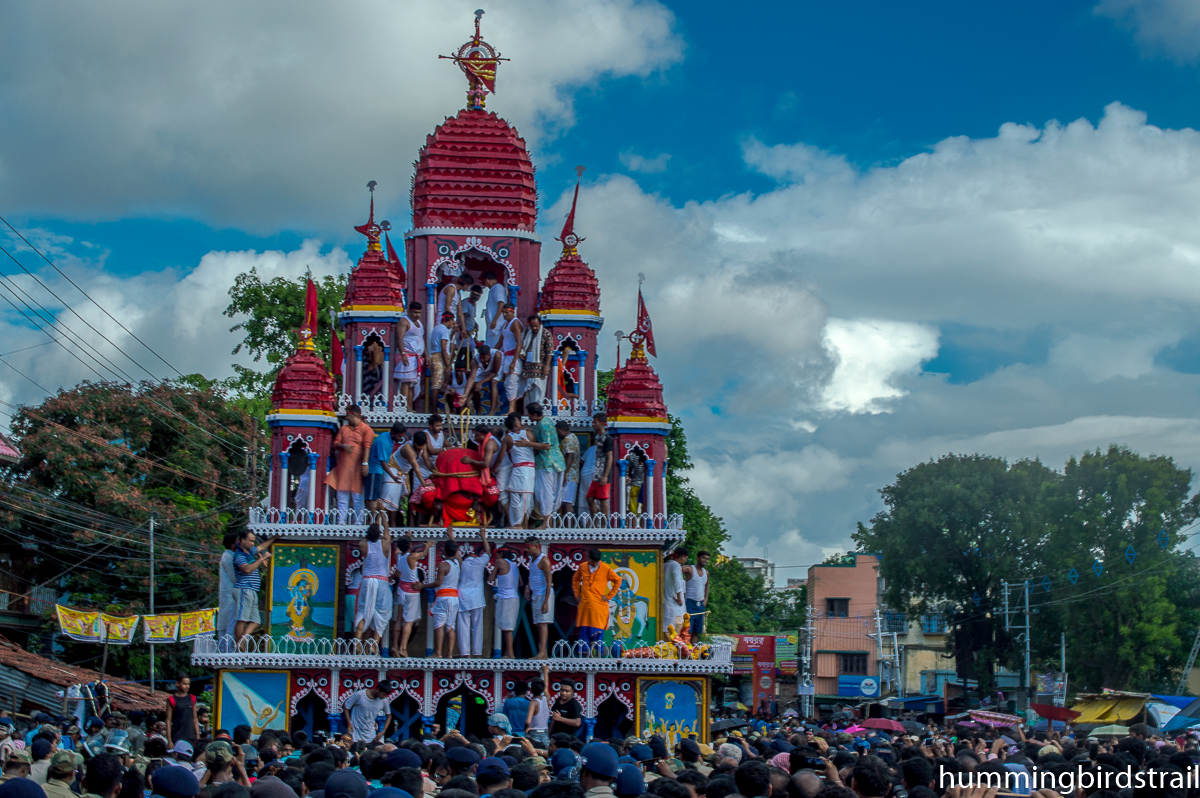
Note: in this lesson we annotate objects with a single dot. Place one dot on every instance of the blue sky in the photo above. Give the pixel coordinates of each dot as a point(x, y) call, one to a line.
point(909, 229)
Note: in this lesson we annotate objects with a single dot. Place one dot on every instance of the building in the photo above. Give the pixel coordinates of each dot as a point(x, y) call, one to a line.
point(759, 567)
point(861, 652)
point(31, 683)
point(474, 212)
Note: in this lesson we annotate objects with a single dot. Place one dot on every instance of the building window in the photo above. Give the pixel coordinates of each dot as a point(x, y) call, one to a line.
point(837, 608)
point(854, 664)
point(934, 624)
point(895, 622)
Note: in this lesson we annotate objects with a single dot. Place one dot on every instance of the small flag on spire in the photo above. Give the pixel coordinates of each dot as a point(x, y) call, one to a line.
point(310, 306)
point(644, 326)
point(335, 355)
point(394, 259)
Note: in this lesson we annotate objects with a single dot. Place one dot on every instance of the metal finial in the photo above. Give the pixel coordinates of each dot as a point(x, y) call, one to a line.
point(579, 170)
point(371, 186)
point(478, 13)
point(641, 278)
point(619, 334)
point(385, 225)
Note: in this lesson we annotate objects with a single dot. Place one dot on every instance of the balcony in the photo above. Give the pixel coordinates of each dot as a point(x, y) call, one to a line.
point(935, 624)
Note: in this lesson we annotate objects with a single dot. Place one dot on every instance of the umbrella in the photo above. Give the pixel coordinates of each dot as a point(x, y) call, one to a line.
point(883, 724)
point(1051, 712)
point(855, 730)
point(913, 727)
point(1112, 730)
point(791, 713)
point(842, 716)
point(729, 723)
point(735, 705)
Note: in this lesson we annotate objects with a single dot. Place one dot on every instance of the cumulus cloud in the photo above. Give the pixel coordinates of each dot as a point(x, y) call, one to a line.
point(640, 163)
point(270, 114)
point(870, 355)
point(1160, 26)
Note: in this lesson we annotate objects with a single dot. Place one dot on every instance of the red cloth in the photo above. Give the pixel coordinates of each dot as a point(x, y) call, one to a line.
point(451, 462)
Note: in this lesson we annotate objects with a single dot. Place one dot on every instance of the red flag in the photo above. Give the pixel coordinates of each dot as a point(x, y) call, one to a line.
point(643, 325)
point(569, 225)
point(310, 306)
point(394, 259)
point(335, 355)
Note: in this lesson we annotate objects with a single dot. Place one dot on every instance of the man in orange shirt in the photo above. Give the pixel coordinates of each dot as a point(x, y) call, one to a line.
point(351, 445)
point(596, 584)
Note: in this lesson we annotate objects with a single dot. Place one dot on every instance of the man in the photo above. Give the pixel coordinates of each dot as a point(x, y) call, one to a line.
point(496, 294)
point(378, 457)
point(519, 488)
point(548, 463)
point(373, 608)
point(485, 377)
point(595, 583)
point(537, 346)
point(182, 723)
point(60, 775)
point(247, 559)
point(222, 766)
point(566, 713)
point(598, 492)
point(568, 442)
point(471, 601)
point(441, 355)
point(168, 782)
point(40, 750)
point(753, 778)
point(673, 589)
point(487, 449)
point(407, 600)
point(103, 777)
point(511, 335)
point(635, 480)
point(449, 300)
point(690, 753)
point(516, 707)
point(360, 710)
point(696, 592)
point(410, 339)
point(599, 771)
point(445, 604)
point(539, 593)
point(7, 743)
point(17, 764)
point(470, 316)
point(350, 444)
point(227, 592)
point(118, 746)
point(508, 602)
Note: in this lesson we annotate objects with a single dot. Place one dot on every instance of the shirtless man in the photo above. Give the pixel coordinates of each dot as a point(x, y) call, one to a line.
point(486, 373)
point(540, 592)
point(450, 299)
point(496, 294)
point(406, 607)
point(410, 338)
point(373, 609)
point(489, 452)
point(518, 449)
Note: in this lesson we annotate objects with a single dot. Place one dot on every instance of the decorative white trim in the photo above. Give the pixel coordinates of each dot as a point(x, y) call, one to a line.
point(282, 419)
point(559, 318)
point(379, 411)
point(616, 424)
point(352, 315)
point(473, 231)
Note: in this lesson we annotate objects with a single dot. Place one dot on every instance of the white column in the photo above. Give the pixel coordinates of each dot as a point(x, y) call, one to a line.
point(311, 500)
point(358, 355)
point(387, 377)
point(620, 508)
point(648, 489)
point(581, 383)
point(283, 481)
point(271, 482)
point(553, 378)
point(430, 575)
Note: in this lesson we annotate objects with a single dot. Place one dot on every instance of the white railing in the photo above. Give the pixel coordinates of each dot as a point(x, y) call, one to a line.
point(718, 653)
point(356, 522)
point(265, 644)
point(377, 409)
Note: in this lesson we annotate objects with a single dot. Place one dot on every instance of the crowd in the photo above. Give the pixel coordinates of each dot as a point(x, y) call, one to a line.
point(538, 752)
point(390, 583)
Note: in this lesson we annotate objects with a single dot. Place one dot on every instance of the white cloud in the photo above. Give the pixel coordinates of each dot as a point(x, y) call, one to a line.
point(870, 355)
point(1160, 26)
point(277, 113)
point(1106, 357)
point(639, 163)
point(798, 162)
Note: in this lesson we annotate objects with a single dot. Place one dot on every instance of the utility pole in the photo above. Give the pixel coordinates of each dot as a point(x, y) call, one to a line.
point(1025, 631)
point(806, 648)
point(151, 598)
point(1028, 681)
point(1062, 666)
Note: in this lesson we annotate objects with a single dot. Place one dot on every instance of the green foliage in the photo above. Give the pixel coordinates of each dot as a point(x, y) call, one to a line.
point(954, 529)
point(97, 461)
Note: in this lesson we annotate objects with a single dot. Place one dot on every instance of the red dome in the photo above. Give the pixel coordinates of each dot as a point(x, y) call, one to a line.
point(474, 172)
point(303, 384)
point(571, 285)
point(635, 391)
point(374, 282)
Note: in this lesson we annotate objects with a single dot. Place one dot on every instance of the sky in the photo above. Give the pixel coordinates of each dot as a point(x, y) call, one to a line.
point(873, 233)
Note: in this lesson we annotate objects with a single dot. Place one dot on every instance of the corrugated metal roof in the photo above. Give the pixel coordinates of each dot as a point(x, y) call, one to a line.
point(47, 675)
point(8, 450)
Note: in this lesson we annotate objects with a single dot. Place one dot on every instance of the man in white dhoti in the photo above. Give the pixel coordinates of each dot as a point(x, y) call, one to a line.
point(410, 335)
point(537, 349)
point(445, 603)
point(406, 603)
point(471, 598)
point(496, 293)
point(511, 333)
point(674, 586)
point(373, 610)
point(518, 492)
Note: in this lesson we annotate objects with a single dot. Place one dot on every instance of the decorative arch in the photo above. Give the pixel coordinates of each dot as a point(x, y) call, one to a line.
point(449, 264)
point(305, 682)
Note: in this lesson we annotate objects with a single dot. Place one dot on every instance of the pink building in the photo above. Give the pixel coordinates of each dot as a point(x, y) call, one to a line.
point(845, 597)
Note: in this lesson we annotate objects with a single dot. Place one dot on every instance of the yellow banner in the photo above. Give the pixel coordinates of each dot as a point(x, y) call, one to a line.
point(82, 626)
point(119, 631)
point(202, 623)
point(160, 628)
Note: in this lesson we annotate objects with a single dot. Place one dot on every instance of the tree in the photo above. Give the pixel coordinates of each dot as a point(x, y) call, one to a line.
point(273, 311)
point(952, 531)
point(97, 460)
point(1131, 624)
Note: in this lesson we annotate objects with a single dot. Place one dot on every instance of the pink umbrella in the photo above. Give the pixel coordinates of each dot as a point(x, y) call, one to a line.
point(883, 724)
point(855, 730)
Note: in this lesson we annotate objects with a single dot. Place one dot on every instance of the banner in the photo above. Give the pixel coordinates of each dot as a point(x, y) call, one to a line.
point(786, 662)
point(82, 626)
point(160, 628)
point(119, 631)
point(202, 623)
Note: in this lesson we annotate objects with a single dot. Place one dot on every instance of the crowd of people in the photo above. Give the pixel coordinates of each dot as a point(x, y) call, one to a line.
point(532, 471)
point(534, 748)
point(391, 580)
